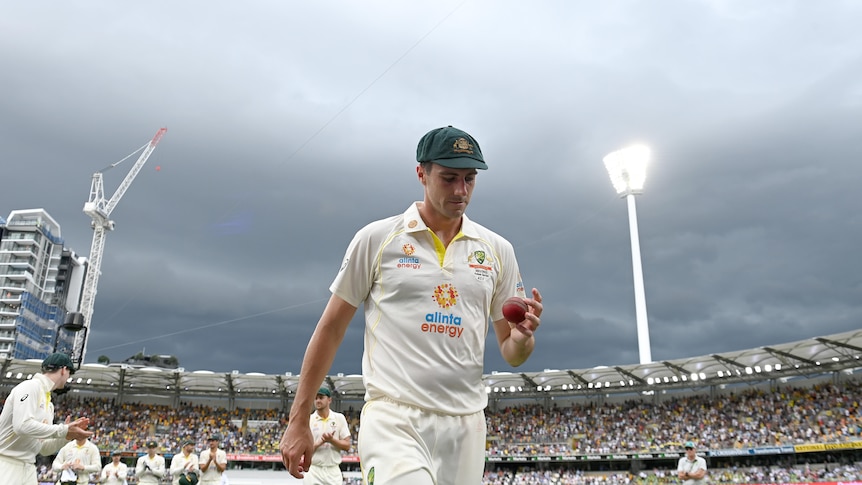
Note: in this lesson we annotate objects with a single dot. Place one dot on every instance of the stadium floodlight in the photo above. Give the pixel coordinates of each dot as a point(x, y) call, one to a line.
point(627, 169)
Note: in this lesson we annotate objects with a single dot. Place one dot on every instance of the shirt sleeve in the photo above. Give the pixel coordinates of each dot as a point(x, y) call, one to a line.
point(24, 420)
point(353, 281)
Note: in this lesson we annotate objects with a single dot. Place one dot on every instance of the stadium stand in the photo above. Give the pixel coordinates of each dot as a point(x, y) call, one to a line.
point(800, 426)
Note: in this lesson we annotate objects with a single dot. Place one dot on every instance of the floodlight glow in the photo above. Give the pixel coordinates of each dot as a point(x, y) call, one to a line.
point(767, 367)
point(702, 375)
point(649, 381)
point(694, 377)
point(627, 169)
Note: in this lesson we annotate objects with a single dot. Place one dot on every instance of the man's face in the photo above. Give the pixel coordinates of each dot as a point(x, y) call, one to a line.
point(151, 450)
point(188, 448)
point(213, 444)
point(116, 459)
point(447, 190)
point(65, 374)
point(689, 452)
point(322, 401)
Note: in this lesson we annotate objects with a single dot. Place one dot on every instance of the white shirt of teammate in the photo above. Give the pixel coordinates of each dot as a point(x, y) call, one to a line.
point(114, 473)
point(185, 461)
point(81, 457)
point(210, 473)
point(335, 423)
point(150, 468)
point(26, 422)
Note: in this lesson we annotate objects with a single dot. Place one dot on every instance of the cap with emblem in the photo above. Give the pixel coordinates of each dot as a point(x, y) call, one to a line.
point(189, 442)
point(689, 444)
point(152, 444)
point(324, 391)
point(214, 437)
point(56, 361)
point(450, 147)
point(116, 453)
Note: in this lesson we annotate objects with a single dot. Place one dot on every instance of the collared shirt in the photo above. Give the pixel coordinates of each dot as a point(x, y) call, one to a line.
point(26, 422)
point(114, 475)
point(212, 474)
point(328, 454)
point(181, 463)
point(150, 470)
point(427, 308)
point(86, 455)
point(691, 466)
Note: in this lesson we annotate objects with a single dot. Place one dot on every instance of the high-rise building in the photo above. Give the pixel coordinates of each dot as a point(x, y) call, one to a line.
point(40, 281)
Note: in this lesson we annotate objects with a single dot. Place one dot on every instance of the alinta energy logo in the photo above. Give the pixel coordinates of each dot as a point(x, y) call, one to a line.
point(446, 296)
point(410, 261)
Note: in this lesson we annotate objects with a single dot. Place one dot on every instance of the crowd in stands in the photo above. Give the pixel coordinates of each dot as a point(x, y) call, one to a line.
point(751, 418)
point(777, 475)
point(821, 413)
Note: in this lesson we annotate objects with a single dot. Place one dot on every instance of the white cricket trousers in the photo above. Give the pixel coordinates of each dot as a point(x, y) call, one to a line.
point(404, 445)
point(16, 472)
point(323, 475)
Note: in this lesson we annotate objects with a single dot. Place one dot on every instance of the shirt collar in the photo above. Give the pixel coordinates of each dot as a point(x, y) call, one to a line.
point(47, 384)
point(413, 222)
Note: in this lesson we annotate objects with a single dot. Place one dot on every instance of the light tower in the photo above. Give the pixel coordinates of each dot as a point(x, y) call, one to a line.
point(99, 209)
point(627, 169)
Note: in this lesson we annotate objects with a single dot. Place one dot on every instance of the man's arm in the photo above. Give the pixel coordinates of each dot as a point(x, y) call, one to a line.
point(701, 470)
point(159, 469)
point(297, 443)
point(59, 460)
point(205, 463)
point(516, 341)
point(221, 465)
point(176, 465)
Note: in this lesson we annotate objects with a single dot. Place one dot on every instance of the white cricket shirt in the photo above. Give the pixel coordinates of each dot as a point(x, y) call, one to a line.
point(427, 308)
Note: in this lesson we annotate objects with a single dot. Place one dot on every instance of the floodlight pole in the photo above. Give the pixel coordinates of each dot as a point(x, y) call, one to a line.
point(638, 276)
point(627, 170)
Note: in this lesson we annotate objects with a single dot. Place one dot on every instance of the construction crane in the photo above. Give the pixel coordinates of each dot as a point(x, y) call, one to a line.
point(99, 209)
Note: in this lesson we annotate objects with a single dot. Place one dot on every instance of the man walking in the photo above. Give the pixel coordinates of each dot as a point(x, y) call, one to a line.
point(430, 281)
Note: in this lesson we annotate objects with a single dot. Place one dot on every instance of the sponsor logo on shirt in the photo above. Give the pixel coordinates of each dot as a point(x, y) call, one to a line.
point(409, 262)
point(446, 322)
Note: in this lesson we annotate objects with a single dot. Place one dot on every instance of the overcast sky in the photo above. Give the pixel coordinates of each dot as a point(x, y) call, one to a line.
point(293, 124)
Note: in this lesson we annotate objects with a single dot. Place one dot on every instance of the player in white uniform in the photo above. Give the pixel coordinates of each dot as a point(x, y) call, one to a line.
point(331, 436)
point(213, 462)
point(691, 468)
point(115, 473)
point(150, 467)
point(185, 463)
point(76, 461)
point(26, 422)
point(430, 279)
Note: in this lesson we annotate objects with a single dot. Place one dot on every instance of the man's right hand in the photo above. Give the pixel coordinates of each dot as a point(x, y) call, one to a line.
point(297, 447)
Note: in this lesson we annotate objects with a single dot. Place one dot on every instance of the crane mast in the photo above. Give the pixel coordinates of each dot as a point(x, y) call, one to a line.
point(99, 209)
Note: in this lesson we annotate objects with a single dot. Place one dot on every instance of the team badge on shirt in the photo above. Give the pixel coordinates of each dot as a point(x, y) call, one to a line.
point(479, 262)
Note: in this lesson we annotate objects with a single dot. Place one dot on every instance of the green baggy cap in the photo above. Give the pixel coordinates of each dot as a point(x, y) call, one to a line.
point(450, 147)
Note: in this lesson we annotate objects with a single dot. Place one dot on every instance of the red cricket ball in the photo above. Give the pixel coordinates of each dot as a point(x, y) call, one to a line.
point(514, 309)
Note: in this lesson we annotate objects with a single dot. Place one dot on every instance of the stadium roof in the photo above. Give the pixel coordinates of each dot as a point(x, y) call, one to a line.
point(802, 359)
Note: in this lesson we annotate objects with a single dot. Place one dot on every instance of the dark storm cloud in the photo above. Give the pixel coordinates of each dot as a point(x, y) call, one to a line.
point(292, 126)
